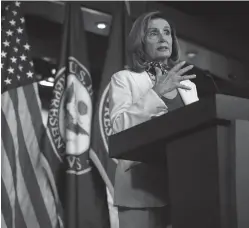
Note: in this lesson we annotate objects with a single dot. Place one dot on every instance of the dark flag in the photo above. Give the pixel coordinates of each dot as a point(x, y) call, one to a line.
point(29, 195)
point(114, 62)
point(69, 125)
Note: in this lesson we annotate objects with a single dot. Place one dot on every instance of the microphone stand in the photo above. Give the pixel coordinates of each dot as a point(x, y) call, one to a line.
point(209, 74)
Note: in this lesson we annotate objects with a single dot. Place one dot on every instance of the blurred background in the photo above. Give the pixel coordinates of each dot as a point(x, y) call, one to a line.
point(213, 36)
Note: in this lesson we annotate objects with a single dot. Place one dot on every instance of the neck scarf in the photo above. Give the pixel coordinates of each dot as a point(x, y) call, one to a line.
point(152, 72)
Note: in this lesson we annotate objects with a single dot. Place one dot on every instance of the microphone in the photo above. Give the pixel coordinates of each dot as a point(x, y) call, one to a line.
point(209, 74)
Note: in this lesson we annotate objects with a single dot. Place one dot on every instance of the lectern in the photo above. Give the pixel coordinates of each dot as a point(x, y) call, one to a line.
point(205, 147)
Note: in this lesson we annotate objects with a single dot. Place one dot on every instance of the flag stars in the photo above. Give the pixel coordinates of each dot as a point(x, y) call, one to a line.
point(2, 65)
point(29, 74)
point(10, 70)
point(15, 49)
point(22, 19)
point(26, 46)
point(31, 63)
point(20, 30)
point(18, 40)
point(9, 33)
point(7, 7)
point(7, 81)
point(20, 67)
point(18, 77)
point(13, 59)
point(6, 43)
point(14, 12)
point(3, 54)
point(12, 22)
point(23, 57)
point(18, 4)
point(3, 18)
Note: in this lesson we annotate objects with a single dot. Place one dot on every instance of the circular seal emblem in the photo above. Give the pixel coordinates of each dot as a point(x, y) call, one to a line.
point(104, 119)
point(70, 114)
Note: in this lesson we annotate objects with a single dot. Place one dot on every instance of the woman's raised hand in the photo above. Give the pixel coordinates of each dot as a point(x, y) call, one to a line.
point(167, 82)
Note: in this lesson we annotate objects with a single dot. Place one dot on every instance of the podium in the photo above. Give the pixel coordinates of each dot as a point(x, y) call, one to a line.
point(205, 147)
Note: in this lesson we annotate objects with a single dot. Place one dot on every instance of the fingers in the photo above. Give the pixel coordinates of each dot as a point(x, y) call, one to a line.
point(177, 67)
point(184, 70)
point(187, 77)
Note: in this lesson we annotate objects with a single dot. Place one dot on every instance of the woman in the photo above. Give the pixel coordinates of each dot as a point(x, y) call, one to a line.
point(155, 84)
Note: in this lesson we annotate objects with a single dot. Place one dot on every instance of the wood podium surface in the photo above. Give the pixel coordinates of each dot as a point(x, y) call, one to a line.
point(205, 147)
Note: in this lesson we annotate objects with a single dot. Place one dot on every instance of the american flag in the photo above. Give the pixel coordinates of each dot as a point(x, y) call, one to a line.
point(16, 64)
point(29, 195)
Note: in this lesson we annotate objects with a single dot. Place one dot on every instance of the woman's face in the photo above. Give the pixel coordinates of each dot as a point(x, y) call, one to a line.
point(158, 40)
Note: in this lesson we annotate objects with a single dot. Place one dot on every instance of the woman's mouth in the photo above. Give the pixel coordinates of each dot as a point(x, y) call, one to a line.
point(163, 48)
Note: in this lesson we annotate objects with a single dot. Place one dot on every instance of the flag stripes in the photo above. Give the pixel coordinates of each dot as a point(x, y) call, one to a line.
point(26, 165)
point(8, 169)
point(49, 160)
point(31, 94)
point(19, 219)
point(9, 184)
point(34, 154)
point(20, 197)
point(6, 204)
point(29, 196)
point(24, 199)
point(8, 142)
point(3, 224)
point(26, 161)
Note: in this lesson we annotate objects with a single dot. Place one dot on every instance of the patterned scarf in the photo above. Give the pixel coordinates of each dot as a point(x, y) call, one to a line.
point(152, 72)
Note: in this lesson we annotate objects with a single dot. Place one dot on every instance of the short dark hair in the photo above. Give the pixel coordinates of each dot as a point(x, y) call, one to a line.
point(135, 43)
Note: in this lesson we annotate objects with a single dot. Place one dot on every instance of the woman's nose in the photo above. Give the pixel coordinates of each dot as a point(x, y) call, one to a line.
point(162, 37)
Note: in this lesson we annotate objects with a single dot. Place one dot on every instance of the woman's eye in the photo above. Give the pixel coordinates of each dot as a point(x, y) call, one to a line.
point(167, 32)
point(153, 33)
